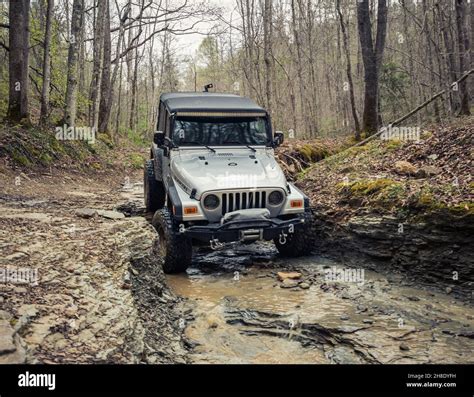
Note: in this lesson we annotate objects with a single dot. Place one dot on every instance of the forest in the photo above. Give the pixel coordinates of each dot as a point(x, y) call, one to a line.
point(237, 182)
point(321, 67)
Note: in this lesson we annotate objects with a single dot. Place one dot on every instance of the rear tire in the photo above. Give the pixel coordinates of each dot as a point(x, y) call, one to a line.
point(174, 247)
point(301, 242)
point(154, 191)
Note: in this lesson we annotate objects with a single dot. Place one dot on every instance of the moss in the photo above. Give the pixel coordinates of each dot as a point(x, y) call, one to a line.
point(391, 195)
point(463, 208)
point(312, 152)
point(45, 158)
point(354, 151)
point(106, 139)
point(393, 144)
point(136, 161)
point(367, 187)
point(426, 134)
point(20, 158)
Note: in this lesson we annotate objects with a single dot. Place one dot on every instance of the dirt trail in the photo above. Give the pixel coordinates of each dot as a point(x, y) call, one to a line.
point(82, 309)
point(102, 298)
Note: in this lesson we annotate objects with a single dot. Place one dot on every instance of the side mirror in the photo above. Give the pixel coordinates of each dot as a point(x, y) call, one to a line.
point(159, 138)
point(278, 138)
point(168, 143)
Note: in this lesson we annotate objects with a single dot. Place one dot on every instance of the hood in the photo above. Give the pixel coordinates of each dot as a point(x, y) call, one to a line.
point(227, 169)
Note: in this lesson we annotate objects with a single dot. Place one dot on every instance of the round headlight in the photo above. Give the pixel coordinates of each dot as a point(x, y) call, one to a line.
point(275, 197)
point(211, 202)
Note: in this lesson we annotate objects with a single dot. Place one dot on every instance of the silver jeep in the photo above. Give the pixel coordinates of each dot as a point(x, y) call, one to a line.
point(212, 178)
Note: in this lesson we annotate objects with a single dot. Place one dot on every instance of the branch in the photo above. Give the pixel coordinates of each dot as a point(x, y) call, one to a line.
point(417, 109)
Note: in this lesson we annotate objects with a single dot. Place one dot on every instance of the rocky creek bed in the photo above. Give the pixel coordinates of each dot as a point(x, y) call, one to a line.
point(102, 297)
point(435, 253)
point(88, 305)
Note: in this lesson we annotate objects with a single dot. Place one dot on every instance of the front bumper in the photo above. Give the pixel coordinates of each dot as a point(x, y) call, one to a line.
point(247, 230)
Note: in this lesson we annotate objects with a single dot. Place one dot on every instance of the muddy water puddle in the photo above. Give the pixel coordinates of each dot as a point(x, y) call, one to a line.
point(241, 314)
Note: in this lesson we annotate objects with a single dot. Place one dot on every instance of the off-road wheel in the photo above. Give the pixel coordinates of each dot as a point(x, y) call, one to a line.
point(155, 193)
point(174, 247)
point(301, 242)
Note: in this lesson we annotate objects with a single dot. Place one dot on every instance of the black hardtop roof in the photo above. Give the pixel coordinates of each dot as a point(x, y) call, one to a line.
point(208, 101)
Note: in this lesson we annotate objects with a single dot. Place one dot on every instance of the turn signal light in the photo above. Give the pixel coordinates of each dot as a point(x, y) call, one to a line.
point(190, 210)
point(296, 203)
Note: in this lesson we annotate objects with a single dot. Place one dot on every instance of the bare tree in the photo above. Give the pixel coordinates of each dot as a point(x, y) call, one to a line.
point(463, 49)
point(345, 41)
point(372, 58)
point(19, 39)
point(46, 64)
point(267, 40)
point(97, 64)
point(70, 109)
point(106, 84)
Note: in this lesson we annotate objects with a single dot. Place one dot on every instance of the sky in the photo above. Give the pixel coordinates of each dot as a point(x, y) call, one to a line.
point(188, 44)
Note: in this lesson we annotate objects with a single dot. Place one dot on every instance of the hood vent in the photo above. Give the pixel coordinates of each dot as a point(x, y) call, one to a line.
point(225, 154)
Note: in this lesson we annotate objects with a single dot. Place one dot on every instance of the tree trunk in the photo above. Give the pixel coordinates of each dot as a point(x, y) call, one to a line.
point(106, 86)
point(134, 93)
point(372, 59)
point(72, 69)
point(345, 40)
point(97, 66)
point(19, 38)
point(463, 48)
point(46, 65)
point(267, 43)
point(299, 71)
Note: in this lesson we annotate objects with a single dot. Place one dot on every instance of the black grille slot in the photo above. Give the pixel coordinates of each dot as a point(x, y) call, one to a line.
point(243, 200)
point(231, 202)
point(224, 203)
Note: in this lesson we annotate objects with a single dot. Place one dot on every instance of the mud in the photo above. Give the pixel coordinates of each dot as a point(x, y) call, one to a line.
point(242, 315)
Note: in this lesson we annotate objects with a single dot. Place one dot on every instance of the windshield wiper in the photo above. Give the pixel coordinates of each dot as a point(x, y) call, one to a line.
point(251, 148)
point(201, 144)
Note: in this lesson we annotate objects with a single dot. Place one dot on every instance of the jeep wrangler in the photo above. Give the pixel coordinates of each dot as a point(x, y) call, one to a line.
point(212, 178)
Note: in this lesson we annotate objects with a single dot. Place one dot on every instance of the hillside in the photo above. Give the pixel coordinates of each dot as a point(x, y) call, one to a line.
point(401, 206)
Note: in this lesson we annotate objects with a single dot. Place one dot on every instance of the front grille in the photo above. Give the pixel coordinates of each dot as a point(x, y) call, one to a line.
point(243, 200)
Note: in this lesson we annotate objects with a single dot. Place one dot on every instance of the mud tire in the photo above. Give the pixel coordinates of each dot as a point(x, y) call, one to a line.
point(174, 247)
point(154, 191)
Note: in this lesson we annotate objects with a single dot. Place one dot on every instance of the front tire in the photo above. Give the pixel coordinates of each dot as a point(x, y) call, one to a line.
point(301, 242)
point(154, 191)
point(174, 247)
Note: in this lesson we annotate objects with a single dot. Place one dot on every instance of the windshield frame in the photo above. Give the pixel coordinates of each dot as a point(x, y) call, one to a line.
point(268, 130)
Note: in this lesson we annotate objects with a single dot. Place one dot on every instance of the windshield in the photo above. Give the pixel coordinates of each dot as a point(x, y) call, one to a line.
point(220, 131)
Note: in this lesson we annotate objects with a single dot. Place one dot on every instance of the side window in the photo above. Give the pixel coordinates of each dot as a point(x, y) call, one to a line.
point(161, 118)
point(167, 127)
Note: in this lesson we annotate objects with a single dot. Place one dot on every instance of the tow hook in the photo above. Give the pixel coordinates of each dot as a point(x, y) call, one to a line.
point(216, 244)
point(282, 239)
